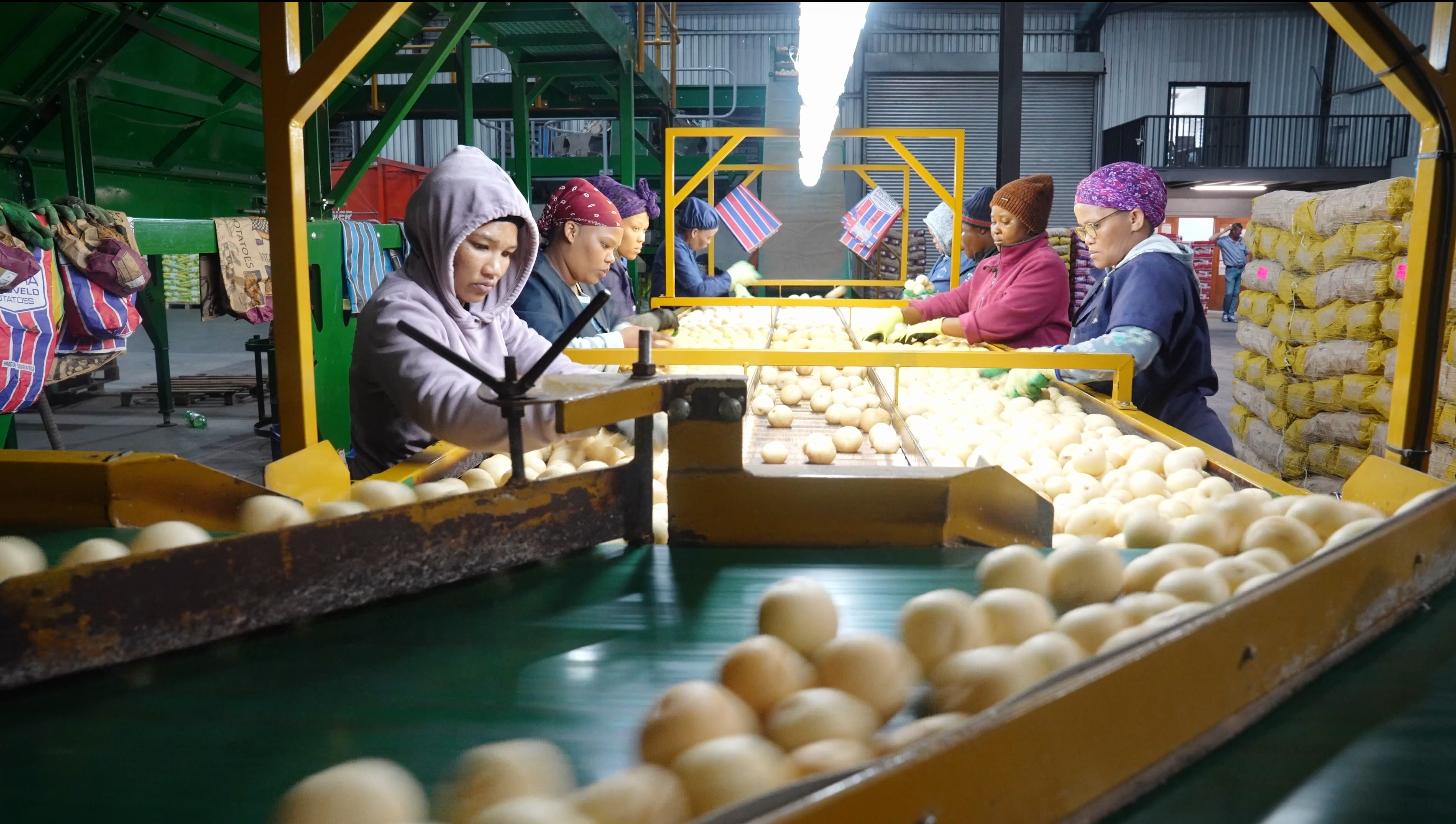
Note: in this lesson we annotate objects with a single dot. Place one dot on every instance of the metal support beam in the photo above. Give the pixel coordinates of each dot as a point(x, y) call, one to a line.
point(1428, 94)
point(1008, 98)
point(443, 47)
point(188, 47)
point(627, 148)
point(76, 141)
point(293, 89)
point(520, 132)
point(465, 83)
point(227, 98)
point(316, 179)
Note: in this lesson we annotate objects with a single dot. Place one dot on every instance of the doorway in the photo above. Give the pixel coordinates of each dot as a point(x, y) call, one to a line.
point(1208, 125)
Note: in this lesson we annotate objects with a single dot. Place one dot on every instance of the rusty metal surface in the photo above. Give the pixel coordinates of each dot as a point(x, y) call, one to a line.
point(70, 489)
point(70, 619)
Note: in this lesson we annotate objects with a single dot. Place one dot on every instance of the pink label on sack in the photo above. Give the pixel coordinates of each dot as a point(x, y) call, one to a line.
point(1400, 271)
point(1262, 273)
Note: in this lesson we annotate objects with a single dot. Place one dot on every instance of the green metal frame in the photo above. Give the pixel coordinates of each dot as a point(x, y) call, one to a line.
point(333, 330)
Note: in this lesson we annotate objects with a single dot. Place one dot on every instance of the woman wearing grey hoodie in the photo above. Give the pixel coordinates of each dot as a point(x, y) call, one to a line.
point(473, 244)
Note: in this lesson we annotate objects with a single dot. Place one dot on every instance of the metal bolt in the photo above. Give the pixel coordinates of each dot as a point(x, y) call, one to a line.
point(730, 409)
point(678, 410)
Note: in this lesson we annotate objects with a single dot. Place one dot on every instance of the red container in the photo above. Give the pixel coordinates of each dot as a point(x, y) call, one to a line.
point(383, 191)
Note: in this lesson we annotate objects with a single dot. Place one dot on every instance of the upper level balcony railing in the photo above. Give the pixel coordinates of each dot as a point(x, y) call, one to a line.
point(1189, 148)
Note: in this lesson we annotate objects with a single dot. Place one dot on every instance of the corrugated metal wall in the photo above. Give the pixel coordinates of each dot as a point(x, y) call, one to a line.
point(892, 28)
point(741, 43)
point(439, 136)
point(1280, 54)
point(1350, 73)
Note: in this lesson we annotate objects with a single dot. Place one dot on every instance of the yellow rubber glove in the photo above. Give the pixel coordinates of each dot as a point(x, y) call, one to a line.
point(923, 331)
point(886, 325)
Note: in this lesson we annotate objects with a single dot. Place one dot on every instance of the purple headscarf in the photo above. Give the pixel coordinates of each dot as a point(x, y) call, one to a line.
point(1127, 186)
point(629, 201)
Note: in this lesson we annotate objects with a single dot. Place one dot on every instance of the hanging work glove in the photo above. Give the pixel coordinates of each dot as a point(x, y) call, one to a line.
point(919, 333)
point(886, 325)
point(81, 209)
point(1027, 383)
point(45, 209)
point(25, 226)
point(743, 274)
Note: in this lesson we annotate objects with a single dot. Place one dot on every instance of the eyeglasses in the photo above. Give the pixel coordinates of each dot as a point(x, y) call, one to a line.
point(1088, 231)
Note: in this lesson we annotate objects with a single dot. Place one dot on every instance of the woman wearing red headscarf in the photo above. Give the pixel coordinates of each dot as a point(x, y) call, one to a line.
point(582, 230)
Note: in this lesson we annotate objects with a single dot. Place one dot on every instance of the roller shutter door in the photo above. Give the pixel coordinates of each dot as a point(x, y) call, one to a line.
point(1057, 131)
point(933, 101)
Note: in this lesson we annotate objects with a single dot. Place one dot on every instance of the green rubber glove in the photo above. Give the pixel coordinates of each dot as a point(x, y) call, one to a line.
point(24, 225)
point(81, 208)
point(923, 331)
point(886, 326)
point(48, 211)
point(1027, 383)
point(743, 273)
point(993, 373)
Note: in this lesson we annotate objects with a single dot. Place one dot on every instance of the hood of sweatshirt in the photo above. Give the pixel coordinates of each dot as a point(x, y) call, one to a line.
point(1158, 243)
point(463, 192)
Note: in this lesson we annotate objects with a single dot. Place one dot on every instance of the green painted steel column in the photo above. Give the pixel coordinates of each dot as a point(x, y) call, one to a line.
point(7, 433)
point(151, 304)
point(76, 141)
point(333, 331)
point(435, 58)
point(465, 81)
point(627, 151)
point(520, 131)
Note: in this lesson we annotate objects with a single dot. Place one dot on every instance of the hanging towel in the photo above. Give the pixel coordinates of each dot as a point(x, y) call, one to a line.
point(397, 257)
point(364, 262)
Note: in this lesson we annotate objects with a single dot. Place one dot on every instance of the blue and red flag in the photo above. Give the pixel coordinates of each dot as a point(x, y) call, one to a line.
point(747, 218)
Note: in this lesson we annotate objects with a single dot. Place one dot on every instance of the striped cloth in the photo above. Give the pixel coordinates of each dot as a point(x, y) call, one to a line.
point(28, 317)
point(868, 222)
point(95, 320)
point(364, 263)
point(747, 218)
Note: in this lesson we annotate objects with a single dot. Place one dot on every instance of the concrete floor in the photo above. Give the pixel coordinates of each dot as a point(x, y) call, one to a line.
point(100, 422)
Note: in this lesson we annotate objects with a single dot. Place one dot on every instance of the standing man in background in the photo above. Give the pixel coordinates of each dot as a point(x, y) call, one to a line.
point(1234, 253)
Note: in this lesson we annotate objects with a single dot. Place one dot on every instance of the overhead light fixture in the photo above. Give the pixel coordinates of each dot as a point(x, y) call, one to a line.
point(1230, 187)
point(828, 36)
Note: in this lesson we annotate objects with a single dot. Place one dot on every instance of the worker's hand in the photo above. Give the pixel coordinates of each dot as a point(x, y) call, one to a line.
point(743, 273)
point(661, 341)
point(1027, 383)
point(993, 373)
point(886, 326)
point(923, 331)
point(25, 226)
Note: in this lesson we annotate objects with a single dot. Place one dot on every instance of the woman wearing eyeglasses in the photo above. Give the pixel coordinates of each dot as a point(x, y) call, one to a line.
point(1145, 303)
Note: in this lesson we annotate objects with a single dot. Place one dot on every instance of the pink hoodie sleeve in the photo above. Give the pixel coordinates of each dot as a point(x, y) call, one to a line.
point(946, 304)
point(1022, 306)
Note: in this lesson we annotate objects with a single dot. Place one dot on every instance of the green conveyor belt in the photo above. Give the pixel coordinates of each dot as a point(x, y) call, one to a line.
point(574, 652)
point(1373, 740)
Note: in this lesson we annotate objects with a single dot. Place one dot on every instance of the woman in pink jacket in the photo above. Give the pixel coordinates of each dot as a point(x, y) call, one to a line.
point(1018, 296)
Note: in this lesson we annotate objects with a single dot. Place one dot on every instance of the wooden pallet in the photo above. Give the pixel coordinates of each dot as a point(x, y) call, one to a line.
point(189, 390)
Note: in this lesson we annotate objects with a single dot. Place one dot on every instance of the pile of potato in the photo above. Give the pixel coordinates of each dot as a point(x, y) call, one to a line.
point(844, 397)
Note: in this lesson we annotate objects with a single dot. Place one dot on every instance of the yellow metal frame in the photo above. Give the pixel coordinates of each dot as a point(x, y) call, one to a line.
point(293, 89)
point(1396, 62)
point(733, 137)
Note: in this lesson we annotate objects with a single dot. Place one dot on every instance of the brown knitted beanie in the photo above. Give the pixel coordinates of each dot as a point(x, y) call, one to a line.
point(1029, 198)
